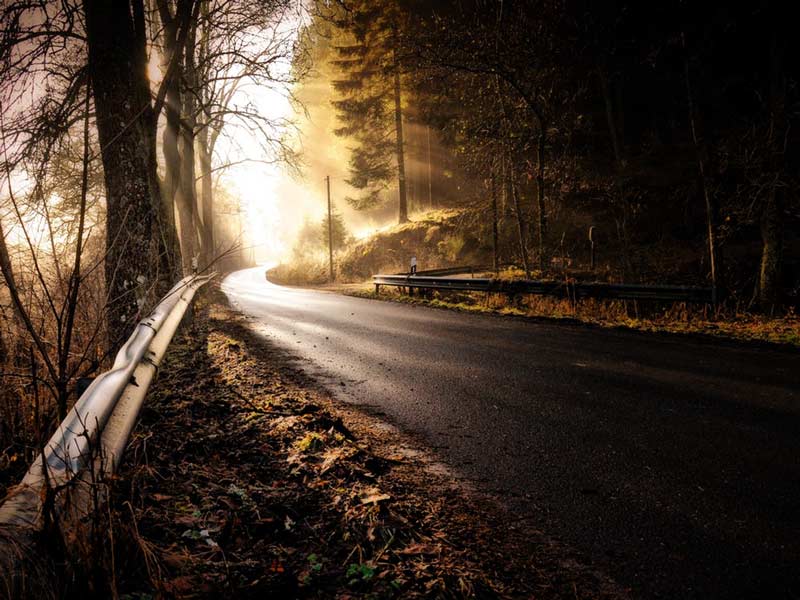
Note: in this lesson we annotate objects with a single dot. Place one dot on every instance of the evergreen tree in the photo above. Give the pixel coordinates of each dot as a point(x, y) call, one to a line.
point(339, 231)
point(369, 104)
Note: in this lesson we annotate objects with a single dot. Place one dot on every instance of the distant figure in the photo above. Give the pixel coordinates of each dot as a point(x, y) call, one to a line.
point(413, 265)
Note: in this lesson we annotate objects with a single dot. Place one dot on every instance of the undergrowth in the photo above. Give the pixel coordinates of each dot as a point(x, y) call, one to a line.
point(643, 316)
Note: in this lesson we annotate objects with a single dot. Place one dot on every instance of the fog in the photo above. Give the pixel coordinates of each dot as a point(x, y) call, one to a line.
point(277, 199)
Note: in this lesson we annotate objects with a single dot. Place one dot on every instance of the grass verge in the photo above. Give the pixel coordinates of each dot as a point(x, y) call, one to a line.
point(677, 319)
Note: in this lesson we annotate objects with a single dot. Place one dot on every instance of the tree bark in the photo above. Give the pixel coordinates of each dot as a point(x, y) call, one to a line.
point(495, 235)
point(769, 288)
point(205, 149)
point(541, 217)
point(523, 248)
point(430, 169)
point(206, 197)
point(170, 139)
point(711, 208)
point(769, 285)
point(398, 122)
point(126, 129)
point(613, 130)
point(187, 209)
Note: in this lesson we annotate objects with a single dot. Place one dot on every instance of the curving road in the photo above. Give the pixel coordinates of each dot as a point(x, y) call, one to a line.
point(672, 464)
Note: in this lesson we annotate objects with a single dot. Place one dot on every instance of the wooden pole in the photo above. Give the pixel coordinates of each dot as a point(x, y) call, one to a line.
point(430, 178)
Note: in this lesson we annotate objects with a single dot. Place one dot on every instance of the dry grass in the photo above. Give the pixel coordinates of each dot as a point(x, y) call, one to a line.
point(677, 318)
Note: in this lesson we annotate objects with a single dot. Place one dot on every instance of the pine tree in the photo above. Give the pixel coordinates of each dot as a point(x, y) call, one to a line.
point(369, 104)
point(339, 231)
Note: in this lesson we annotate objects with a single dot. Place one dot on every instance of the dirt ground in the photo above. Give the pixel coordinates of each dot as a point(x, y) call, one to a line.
point(245, 480)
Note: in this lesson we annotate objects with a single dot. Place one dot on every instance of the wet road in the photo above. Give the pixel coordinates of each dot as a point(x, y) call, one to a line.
point(671, 464)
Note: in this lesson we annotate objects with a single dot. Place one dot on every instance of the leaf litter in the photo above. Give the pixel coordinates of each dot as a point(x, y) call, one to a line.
point(245, 480)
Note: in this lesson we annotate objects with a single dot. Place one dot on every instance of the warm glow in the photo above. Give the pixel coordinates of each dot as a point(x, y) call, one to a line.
point(154, 68)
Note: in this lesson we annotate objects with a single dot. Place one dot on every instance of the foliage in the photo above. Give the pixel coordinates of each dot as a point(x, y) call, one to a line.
point(368, 100)
point(678, 319)
point(656, 124)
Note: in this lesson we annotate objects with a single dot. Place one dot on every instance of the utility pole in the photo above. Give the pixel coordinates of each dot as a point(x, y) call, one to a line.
point(330, 227)
point(430, 184)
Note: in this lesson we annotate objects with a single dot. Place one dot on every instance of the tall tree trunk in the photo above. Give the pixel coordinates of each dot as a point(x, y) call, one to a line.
point(710, 203)
point(398, 123)
point(523, 247)
point(206, 197)
point(495, 235)
point(541, 141)
point(126, 130)
point(769, 287)
point(541, 217)
point(505, 188)
point(605, 90)
point(205, 151)
point(187, 209)
point(430, 169)
point(170, 140)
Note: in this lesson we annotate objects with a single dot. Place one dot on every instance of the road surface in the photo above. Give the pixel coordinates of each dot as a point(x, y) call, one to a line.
point(669, 463)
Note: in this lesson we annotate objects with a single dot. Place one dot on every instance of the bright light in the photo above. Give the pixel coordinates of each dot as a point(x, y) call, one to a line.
point(365, 232)
point(154, 73)
point(255, 183)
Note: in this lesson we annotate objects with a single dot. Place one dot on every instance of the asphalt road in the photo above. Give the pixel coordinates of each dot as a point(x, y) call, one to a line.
point(671, 464)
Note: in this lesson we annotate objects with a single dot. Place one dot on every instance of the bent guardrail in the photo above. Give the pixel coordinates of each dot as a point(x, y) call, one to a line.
point(559, 289)
point(97, 428)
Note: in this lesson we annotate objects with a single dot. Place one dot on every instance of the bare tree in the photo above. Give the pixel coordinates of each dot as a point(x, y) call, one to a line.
point(239, 46)
point(46, 302)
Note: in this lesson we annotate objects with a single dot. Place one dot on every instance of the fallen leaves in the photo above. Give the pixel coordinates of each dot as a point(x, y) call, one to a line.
point(372, 496)
point(249, 485)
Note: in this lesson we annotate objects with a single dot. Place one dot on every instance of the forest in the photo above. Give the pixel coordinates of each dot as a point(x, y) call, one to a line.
point(143, 141)
point(655, 127)
point(116, 124)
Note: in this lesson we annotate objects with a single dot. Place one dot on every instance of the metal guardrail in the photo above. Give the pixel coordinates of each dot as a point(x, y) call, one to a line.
point(97, 428)
point(574, 290)
point(449, 271)
point(471, 269)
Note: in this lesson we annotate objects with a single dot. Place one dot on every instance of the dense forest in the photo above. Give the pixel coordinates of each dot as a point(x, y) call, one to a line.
point(668, 130)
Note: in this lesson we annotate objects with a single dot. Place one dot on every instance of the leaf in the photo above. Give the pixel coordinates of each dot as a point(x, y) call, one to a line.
point(419, 549)
point(373, 496)
point(363, 572)
point(191, 534)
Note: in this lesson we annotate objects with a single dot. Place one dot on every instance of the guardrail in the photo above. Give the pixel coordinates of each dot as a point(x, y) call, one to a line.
point(559, 289)
point(471, 269)
point(450, 271)
point(92, 436)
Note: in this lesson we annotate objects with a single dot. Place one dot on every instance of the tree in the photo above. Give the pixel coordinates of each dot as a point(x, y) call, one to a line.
point(178, 23)
point(139, 263)
point(519, 50)
point(45, 299)
point(339, 232)
point(370, 99)
point(239, 44)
